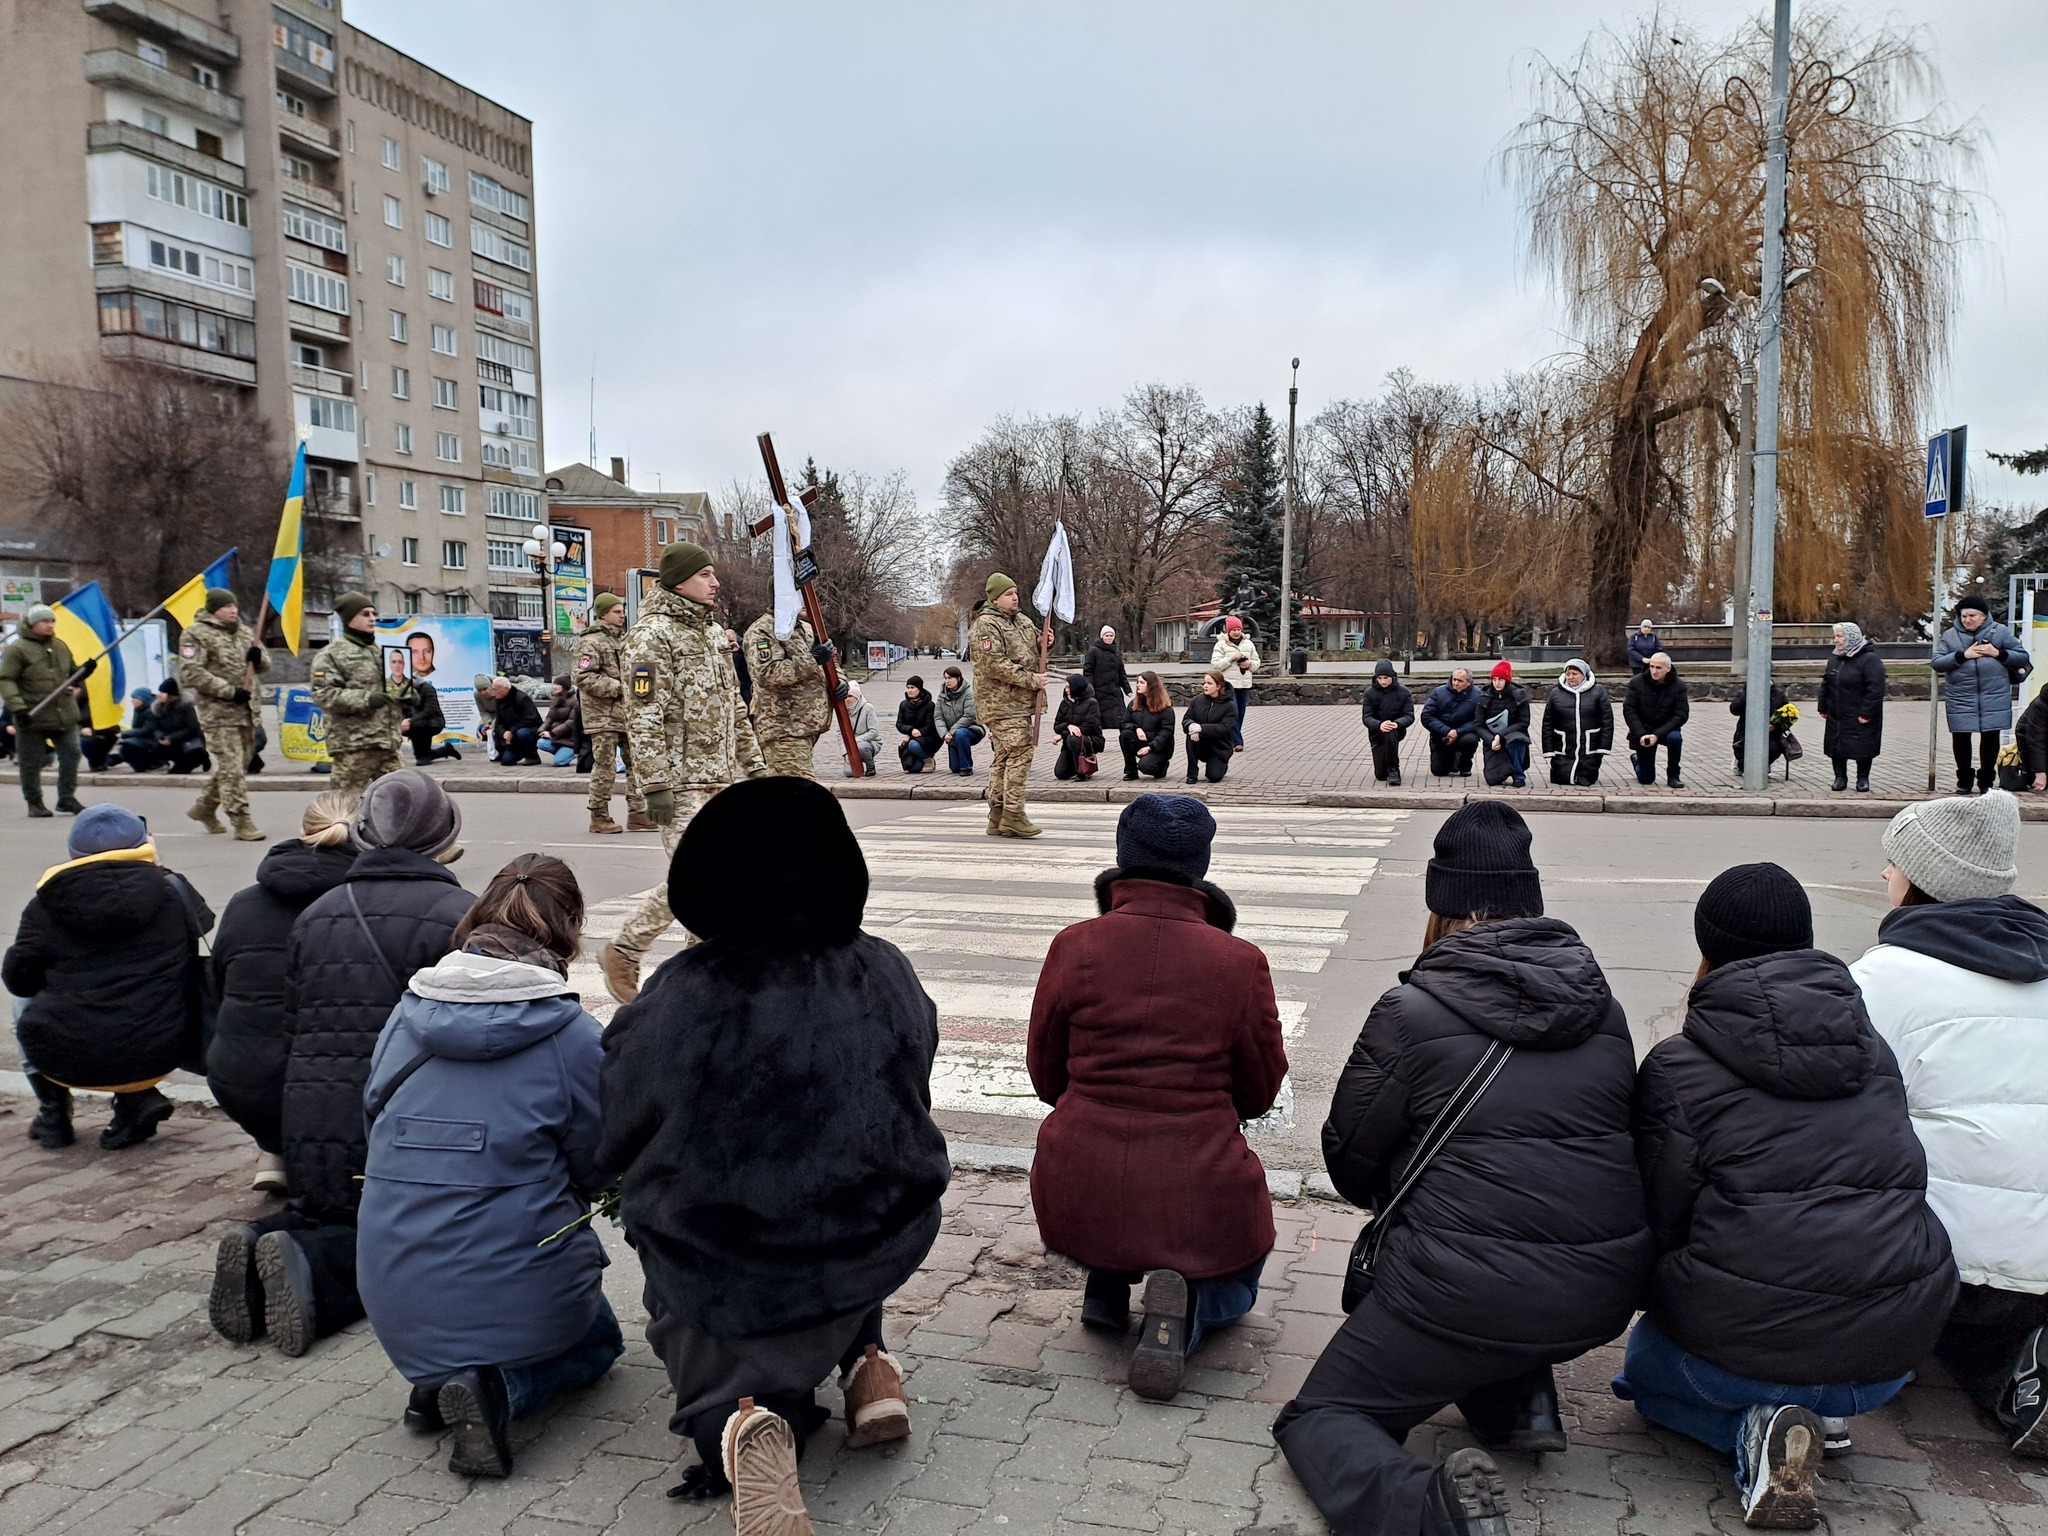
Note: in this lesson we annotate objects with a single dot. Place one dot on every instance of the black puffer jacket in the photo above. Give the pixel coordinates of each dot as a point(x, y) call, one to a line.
point(245, 1061)
point(103, 957)
point(1527, 1233)
point(1787, 1188)
point(1393, 702)
point(1103, 666)
point(1216, 717)
point(337, 996)
point(1078, 707)
point(1157, 724)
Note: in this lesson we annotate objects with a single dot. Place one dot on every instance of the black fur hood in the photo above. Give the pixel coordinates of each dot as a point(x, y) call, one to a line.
point(1222, 910)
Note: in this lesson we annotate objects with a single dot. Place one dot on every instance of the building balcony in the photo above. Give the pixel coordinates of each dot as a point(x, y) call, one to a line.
point(128, 347)
point(316, 324)
point(325, 381)
point(302, 133)
point(122, 70)
point(295, 73)
point(312, 196)
point(103, 137)
point(153, 18)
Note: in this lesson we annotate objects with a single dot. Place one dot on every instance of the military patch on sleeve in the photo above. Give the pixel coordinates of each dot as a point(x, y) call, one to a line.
point(643, 681)
point(586, 663)
point(188, 651)
point(766, 647)
point(987, 644)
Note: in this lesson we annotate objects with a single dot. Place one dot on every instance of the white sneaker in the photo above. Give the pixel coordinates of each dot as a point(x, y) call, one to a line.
point(1775, 1459)
point(270, 1178)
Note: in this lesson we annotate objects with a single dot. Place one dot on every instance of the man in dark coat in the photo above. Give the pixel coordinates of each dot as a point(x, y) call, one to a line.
point(1800, 1271)
point(1656, 708)
point(175, 723)
point(767, 1103)
point(347, 962)
point(1451, 716)
point(423, 722)
point(1852, 703)
point(1523, 1243)
point(1388, 711)
point(1103, 666)
point(515, 725)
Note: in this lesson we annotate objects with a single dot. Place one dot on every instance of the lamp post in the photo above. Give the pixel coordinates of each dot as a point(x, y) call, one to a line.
point(1287, 526)
point(544, 549)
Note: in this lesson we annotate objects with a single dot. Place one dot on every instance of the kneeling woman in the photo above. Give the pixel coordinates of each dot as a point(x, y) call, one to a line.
point(767, 1101)
point(1141, 1165)
point(1210, 719)
point(483, 1142)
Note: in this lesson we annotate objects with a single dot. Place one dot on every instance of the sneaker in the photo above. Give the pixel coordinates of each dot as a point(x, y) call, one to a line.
point(423, 1411)
point(2023, 1405)
point(758, 1453)
point(621, 973)
point(1466, 1497)
point(136, 1117)
point(1775, 1460)
point(287, 1276)
point(270, 1179)
point(473, 1404)
point(1161, 1357)
point(1834, 1437)
point(235, 1306)
point(876, 1409)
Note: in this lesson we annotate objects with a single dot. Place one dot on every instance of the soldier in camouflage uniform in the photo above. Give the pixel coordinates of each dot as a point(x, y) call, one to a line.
point(688, 726)
point(600, 673)
point(363, 714)
point(218, 660)
point(1003, 646)
point(791, 709)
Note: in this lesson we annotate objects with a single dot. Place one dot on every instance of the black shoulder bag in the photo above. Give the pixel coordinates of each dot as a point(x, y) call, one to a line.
point(1358, 1269)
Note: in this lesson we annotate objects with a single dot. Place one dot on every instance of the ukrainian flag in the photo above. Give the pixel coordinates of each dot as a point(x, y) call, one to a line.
point(86, 623)
point(189, 601)
point(285, 592)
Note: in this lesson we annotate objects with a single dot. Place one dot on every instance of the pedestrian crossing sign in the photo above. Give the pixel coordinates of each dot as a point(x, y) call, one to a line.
point(1945, 452)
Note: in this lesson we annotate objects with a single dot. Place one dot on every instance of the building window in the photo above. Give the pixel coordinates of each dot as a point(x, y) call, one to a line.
point(389, 154)
point(181, 324)
point(661, 533)
point(408, 551)
point(453, 603)
point(150, 53)
point(156, 123)
point(488, 243)
point(408, 495)
point(398, 325)
point(394, 271)
point(507, 502)
point(214, 270)
point(486, 193)
point(433, 174)
point(322, 290)
point(454, 555)
point(439, 231)
point(452, 500)
point(447, 395)
point(502, 349)
point(350, 134)
point(310, 50)
point(209, 78)
point(315, 228)
point(394, 212)
point(408, 602)
point(369, 476)
point(295, 169)
point(506, 555)
point(294, 106)
point(401, 383)
point(448, 447)
point(444, 340)
point(440, 285)
point(328, 413)
point(401, 442)
point(505, 412)
point(175, 187)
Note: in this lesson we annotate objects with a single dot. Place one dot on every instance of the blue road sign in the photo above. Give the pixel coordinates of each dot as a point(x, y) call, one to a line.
point(1946, 452)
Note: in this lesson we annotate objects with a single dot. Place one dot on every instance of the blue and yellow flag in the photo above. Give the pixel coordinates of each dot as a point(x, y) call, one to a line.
point(86, 624)
point(186, 604)
point(285, 592)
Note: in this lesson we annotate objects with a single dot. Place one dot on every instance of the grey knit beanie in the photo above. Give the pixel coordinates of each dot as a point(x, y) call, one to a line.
point(1957, 848)
point(407, 809)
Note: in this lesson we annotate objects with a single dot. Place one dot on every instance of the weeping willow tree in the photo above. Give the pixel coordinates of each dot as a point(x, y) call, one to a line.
point(1642, 169)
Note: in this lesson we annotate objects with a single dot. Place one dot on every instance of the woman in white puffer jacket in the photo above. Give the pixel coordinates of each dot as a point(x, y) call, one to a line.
point(1958, 986)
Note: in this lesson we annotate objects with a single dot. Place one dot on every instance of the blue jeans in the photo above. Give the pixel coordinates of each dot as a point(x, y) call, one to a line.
point(960, 749)
point(529, 1388)
point(914, 755)
point(1242, 698)
point(1683, 1392)
point(1217, 1302)
point(1645, 758)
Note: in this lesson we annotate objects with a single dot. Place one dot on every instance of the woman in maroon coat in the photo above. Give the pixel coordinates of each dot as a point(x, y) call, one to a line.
point(1141, 1165)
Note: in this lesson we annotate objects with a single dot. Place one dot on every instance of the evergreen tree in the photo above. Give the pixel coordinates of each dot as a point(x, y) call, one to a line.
point(1250, 584)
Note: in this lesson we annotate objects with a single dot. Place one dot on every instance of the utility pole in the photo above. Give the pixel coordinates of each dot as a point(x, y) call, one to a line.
point(1287, 525)
point(1756, 738)
point(1745, 518)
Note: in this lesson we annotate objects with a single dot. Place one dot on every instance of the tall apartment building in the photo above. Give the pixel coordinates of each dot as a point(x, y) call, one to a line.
point(260, 195)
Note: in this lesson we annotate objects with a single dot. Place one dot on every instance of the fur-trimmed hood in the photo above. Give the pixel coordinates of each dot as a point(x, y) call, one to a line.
point(1220, 911)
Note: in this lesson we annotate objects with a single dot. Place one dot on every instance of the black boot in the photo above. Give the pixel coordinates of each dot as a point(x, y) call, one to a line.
point(235, 1307)
point(474, 1406)
point(52, 1124)
point(1466, 1497)
point(1862, 783)
point(287, 1276)
point(136, 1117)
point(1841, 780)
point(1532, 1425)
point(1161, 1358)
point(69, 805)
point(423, 1411)
point(1106, 1304)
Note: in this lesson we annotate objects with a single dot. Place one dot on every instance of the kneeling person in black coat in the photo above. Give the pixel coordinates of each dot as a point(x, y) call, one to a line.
point(1208, 723)
point(1387, 713)
point(1801, 1274)
point(1078, 727)
point(1147, 733)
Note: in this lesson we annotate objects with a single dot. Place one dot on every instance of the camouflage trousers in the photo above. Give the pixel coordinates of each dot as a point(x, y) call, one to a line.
point(1011, 765)
point(604, 749)
point(790, 756)
point(653, 917)
point(358, 768)
point(230, 747)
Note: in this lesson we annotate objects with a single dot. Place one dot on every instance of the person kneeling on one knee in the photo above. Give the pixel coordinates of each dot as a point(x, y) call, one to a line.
point(1800, 1273)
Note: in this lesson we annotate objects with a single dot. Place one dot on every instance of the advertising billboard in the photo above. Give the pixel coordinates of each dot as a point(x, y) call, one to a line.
point(448, 652)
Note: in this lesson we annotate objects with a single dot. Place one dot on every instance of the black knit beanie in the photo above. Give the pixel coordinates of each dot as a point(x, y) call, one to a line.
point(1166, 832)
point(1482, 865)
point(1751, 910)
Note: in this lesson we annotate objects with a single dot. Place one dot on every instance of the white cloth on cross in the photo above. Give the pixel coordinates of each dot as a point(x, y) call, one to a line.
point(788, 601)
point(1054, 595)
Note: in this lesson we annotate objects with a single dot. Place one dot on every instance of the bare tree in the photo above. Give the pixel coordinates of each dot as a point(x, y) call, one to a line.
point(1160, 464)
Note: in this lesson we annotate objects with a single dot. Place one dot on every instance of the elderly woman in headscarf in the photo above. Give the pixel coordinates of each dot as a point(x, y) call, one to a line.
point(767, 1105)
point(1578, 726)
point(1852, 703)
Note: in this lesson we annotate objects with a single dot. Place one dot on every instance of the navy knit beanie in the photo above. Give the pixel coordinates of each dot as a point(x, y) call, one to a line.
point(1482, 866)
point(1752, 910)
point(1166, 832)
point(104, 828)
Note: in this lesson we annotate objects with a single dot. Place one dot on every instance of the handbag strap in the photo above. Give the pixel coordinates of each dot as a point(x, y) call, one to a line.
point(1440, 1130)
point(374, 1107)
point(390, 971)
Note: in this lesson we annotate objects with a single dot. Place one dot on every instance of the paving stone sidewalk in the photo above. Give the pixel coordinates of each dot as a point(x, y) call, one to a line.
point(121, 1412)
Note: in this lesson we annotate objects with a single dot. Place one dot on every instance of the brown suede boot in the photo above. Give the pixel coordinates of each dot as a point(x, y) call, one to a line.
point(601, 821)
point(640, 821)
point(876, 1409)
point(759, 1453)
point(621, 973)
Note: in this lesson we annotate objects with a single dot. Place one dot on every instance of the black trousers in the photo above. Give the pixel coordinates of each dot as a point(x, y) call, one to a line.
point(1386, 750)
point(1211, 757)
point(330, 1249)
point(800, 1409)
point(1982, 1337)
point(1842, 766)
point(1068, 764)
point(1376, 1380)
point(1149, 758)
point(1987, 758)
point(1453, 759)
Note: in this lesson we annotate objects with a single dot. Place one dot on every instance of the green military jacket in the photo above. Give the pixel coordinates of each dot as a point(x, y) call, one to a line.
point(789, 684)
point(685, 718)
point(349, 686)
point(600, 673)
point(213, 661)
point(29, 669)
point(1004, 650)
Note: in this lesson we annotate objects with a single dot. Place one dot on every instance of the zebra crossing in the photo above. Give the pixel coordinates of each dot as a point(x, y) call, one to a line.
point(977, 914)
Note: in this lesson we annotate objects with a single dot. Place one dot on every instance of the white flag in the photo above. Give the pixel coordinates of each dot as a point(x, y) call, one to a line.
point(1054, 594)
point(788, 602)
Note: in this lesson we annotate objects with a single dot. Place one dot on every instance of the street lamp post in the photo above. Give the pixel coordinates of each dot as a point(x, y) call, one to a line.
point(544, 549)
point(1287, 526)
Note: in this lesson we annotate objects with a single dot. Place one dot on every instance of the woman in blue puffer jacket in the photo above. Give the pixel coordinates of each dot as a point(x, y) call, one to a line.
point(1982, 661)
point(483, 1102)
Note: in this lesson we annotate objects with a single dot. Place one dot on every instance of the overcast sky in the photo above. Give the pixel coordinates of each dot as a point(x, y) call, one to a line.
point(873, 228)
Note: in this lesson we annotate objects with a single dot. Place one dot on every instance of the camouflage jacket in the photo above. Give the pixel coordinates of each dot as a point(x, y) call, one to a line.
point(600, 674)
point(684, 715)
point(213, 661)
point(789, 686)
point(349, 688)
point(1004, 650)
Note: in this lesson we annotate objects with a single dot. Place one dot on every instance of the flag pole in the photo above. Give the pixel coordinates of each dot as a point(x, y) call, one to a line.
point(104, 651)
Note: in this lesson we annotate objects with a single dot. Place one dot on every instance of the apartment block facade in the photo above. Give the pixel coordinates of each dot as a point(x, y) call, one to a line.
point(260, 195)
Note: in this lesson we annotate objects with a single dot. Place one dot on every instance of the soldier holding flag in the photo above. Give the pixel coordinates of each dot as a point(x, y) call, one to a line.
point(1009, 671)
